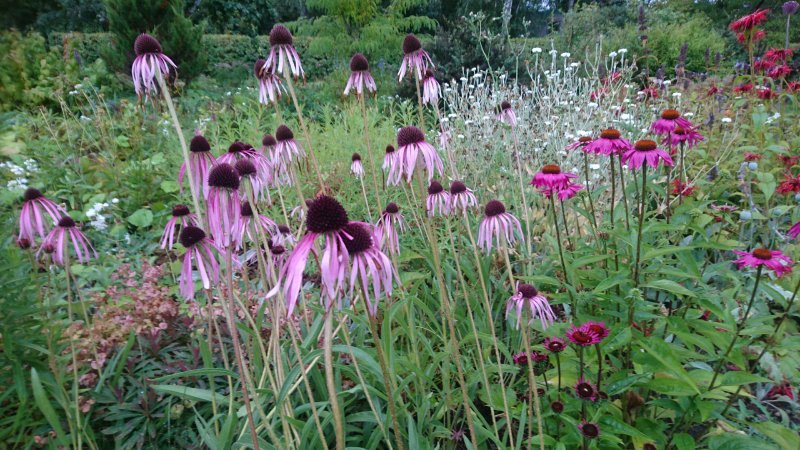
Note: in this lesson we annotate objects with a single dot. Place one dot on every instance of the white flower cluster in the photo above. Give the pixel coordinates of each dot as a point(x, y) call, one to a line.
point(99, 221)
point(20, 180)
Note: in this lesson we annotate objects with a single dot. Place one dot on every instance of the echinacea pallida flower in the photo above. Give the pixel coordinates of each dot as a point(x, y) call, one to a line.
point(388, 157)
point(506, 115)
point(360, 78)
point(199, 253)
point(528, 297)
point(410, 144)
point(356, 168)
point(181, 217)
point(37, 216)
point(669, 120)
point(63, 236)
point(430, 89)
point(415, 59)
point(262, 167)
point(224, 205)
point(388, 227)
point(645, 151)
point(251, 227)
point(282, 54)
point(610, 142)
point(368, 265)
point(438, 199)
point(461, 197)
point(497, 226)
point(251, 178)
point(200, 161)
point(773, 260)
point(149, 59)
point(269, 83)
point(287, 149)
point(551, 178)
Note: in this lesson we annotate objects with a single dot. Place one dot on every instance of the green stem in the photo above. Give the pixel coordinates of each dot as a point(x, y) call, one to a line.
point(643, 200)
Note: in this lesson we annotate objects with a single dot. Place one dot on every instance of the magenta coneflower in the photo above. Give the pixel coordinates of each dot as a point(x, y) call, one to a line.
point(325, 217)
point(356, 168)
point(269, 84)
point(61, 236)
point(555, 344)
point(551, 178)
point(246, 226)
point(32, 220)
point(410, 143)
point(565, 192)
point(368, 265)
point(589, 430)
point(609, 143)
point(598, 328)
point(645, 151)
point(360, 77)
point(669, 120)
point(585, 390)
point(224, 206)
point(528, 296)
point(282, 52)
point(687, 136)
point(149, 59)
point(506, 115)
point(415, 59)
point(497, 225)
point(287, 149)
point(582, 142)
point(198, 251)
point(430, 89)
point(181, 218)
point(794, 231)
point(438, 199)
point(582, 336)
point(774, 260)
point(388, 227)
point(461, 197)
point(388, 157)
point(200, 160)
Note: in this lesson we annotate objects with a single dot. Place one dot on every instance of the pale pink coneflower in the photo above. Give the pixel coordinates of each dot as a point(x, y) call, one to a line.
point(64, 234)
point(388, 228)
point(284, 237)
point(437, 199)
point(461, 197)
point(200, 162)
point(774, 260)
point(688, 137)
point(149, 59)
point(528, 296)
point(181, 218)
point(505, 114)
point(356, 168)
point(32, 221)
point(645, 151)
point(444, 137)
point(497, 225)
point(430, 89)
point(610, 142)
point(249, 227)
point(551, 178)
point(278, 254)
point(270, 87)
point(566, 192)
point(199, 253)
point(257, 180)
point(368, 265)
point(287, 148)
point(388, 157)
point(794, 231)
point(239, 150)
point(415, 59)
point(298, 212)
point(360, 78)
point(224, 205)
point(410, 143)
point(282, 53)
point(669, 120)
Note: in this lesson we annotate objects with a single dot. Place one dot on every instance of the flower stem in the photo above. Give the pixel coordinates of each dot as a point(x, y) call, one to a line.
point(589, 191)
point(303, 126)
point(642, 204)
point(574, 304)
point(330, 382)
point(371, 162)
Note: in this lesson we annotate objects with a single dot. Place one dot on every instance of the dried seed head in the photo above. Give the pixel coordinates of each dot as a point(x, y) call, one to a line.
point(199, 144)
point(411, 44)
point(223, 175)
point(284, 133)
point(191, 235)
point(409, 135)
point(325, 214)
point(145, 44)
point(359, 63)
point(493, 208)
point(280, 35)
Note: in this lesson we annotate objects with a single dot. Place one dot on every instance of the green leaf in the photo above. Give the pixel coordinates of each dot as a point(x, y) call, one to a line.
point(667, 250)
point(738, 378)
point(663, 353)
point(609, 423)
point(684, 441)
point(670, 286)
point(784, 437)
point(185, 392)
point(142, 218)
point(169, 186)
point(40, 397)
point(671, 386)
point(211, 371)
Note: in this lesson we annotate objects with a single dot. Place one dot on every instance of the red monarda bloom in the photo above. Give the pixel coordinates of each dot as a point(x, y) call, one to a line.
point(684, 189)
point(551, 178)
point(200, 162)
point(430, 89)
point(778, 54)
point(765, 93)
point(669, 120)
point(742, 88)
point(37, 216)
point(388, 227)
point(750, 157)
point(497, 226)
point(282, 53)
point(528, 297)
point(269, 84)
point(789, 184)
point(762, 257)
point(438, 199)
point(506, 115)
point(750, 21)
point(360, 78)
point(415, 59)
point(783, 389)
point(781, 71)
point(645, 151)
point(582, 336)
point(609, 143)
point(199, 250)
point(149, 59)
point(181, 218)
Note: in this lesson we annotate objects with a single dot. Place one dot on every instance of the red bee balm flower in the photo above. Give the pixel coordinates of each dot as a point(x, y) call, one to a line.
point(750, 21)
point(789, 184)
point(771, 259)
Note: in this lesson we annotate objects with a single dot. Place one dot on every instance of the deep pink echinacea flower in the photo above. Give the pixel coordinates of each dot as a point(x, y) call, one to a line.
point(690, 137)
point(551, 178)
point(555, 344)
point(528, 297)
point(224, 205)
point(149, 59)
point(610, 142)
point(360, 79)
point(582, 336)
point(430, 89)
point(410, 144)
point(181, 218)
point(369, 267)
point(64, 235)
point(283, 57)
point(505, 114)
point(38, 214)
point(669, 120)
point(565, 192)
point(582, 142)
point(585, 390)
point(794, 231)
point(773, 260)
point(199, 253)
point(438, 199)
point(200, 162)
point(388, 228)
point(645, 151)
point(270, 88)
point(251, 227)
point(498, 226)
point(356, 168)
point(597, 328)
point(415, 59)
point(461, 197)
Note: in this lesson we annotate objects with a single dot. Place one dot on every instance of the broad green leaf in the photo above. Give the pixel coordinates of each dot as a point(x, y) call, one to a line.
point(40, 397)
point(189, 393)
point(737, 378)
point(684, 441)
point(662, 352)
point(142, 218)
point(671, 386)
point(784, 437)
point(211, 371)
point(670, 286)
point(169, 186)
